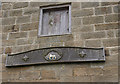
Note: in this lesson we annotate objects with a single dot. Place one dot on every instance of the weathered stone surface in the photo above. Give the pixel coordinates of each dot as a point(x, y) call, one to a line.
point(112, 78)
point(93, 43)
point(24, 41)
point(15, 12)
point(8, 21)
point(87, 28)
point(47, 74)
point(35, 17)
point(112, 18)
point(33, 33)
point(0, 13)
point(26, 47)
point(108, 3)
point(11, 28)
point(11, 75)
point(89, 4)
point(107, 26)
point(8, 42)
point(20, 5)
point(116, 9)
point(5, 13)
point(6, 6)
point(17, 49)
point(75, 5)
point(76, 22)
point(76, 79)
point(110, 33)
point(38, 4)
point(23, 19)
point(28, 11)
point(93, 20)
point(110, 42)
point(30, 75)
point(115, 50)
point(81, 13)
point(29, 26)
point(107, 52)
point(8, 50)
point(4, 36)
point(94, 35)
point(103, 10)
point(87, 71)
point(18, 35)
point(117, 33)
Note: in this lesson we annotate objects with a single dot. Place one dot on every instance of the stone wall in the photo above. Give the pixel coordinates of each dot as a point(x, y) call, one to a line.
point(94, 24)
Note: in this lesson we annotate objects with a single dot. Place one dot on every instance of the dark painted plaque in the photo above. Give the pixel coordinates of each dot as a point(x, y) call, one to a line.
point(56, 55)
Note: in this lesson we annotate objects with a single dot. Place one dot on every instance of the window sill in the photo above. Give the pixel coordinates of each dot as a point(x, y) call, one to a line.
point(54, 35)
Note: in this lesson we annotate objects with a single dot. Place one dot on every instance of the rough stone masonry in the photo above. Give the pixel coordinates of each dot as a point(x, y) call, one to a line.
point(94, 24)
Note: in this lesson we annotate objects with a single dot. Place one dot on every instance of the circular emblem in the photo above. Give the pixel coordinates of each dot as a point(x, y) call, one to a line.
point(52, 55)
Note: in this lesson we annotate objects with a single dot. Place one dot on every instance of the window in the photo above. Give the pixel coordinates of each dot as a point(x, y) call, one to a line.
point(55, 20)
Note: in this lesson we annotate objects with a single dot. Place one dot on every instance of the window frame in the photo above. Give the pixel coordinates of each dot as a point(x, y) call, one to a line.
point(49, 7)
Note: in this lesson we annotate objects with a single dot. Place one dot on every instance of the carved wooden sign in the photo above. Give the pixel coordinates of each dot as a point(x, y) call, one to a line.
point(56, 55)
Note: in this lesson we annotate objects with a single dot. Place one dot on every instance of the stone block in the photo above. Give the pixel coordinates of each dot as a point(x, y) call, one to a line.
point(8, 42)
point(15, 12)
point(115, 50)
point(110, 42)
point(76, 22)
point(117, 32)
point(93, 35)
point(11, 28)
point(0, 13)
point(8, 50)
point(23, 19)
point(110, 33)
point(108, 3)
point(38, 4)
point(82, 12)
point(18, 35)
point(28, 11)
point(89, 4)
point(75, 5)
point(26, 48)
point(10, 75)
point(6, 6)
point(93, 43)
point(24, 41)
point(4, 36)
point(103, 10)
point(47, 74)
point(33, 33)
point(93, 20)
point(17, 49)
point(17, 5)
point(116, 9)
point(35, 17)
point(5, 13)
point(107, 26)
point(29, 26)
point(112, 18)
point(87, 71)
point(86, 28)
point(99, 78)
point(8, 21)
point(30, 75)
